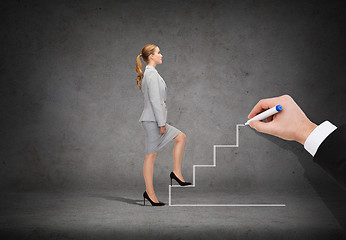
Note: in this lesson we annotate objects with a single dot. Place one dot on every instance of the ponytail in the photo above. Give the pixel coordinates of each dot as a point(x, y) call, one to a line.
point(147, 50)
point(139, 70)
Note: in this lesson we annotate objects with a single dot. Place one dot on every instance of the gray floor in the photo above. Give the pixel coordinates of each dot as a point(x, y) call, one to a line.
point(120, 214)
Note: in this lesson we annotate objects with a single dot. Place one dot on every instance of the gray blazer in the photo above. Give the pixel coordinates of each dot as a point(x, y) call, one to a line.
point(154, 90)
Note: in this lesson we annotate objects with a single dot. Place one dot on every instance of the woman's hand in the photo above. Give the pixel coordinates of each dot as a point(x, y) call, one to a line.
point(162, 129)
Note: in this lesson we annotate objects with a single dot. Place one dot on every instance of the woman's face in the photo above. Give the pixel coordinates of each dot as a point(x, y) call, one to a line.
point(156, 57)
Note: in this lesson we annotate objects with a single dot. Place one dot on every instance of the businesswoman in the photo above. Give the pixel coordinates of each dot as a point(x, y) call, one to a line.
point(153, 119)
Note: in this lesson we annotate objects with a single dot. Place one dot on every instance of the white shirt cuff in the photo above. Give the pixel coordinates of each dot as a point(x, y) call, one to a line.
point(317, 136)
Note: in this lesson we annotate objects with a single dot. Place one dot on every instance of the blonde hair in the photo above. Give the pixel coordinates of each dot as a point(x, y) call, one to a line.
point(147, 50)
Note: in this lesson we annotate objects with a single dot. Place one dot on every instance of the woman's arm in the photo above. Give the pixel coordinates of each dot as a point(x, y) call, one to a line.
point(155, 98)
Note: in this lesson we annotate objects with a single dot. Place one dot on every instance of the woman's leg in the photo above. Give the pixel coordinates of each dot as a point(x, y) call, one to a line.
point(148, 171)
point(178, 154)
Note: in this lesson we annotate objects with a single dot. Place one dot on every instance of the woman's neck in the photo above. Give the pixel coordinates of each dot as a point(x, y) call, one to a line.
point(152, 64)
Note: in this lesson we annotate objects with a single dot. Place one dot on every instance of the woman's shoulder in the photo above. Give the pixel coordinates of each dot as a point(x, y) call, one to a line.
point(150, 74)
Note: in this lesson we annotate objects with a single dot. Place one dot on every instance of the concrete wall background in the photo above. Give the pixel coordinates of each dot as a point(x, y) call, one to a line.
point(70, 105)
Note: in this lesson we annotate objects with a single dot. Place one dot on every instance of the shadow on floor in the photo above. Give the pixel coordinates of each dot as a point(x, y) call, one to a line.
point(119, 199)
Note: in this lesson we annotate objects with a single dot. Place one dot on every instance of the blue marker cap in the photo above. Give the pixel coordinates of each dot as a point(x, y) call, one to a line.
point(278, 108)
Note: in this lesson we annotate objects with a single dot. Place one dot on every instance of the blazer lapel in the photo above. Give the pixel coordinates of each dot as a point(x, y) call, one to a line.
point(163, 81)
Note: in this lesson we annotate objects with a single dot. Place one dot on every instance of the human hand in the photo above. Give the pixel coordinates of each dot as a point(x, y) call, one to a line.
point(290, 124)
point(162, 130)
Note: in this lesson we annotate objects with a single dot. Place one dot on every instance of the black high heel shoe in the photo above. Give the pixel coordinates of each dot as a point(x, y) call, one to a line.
point(181, 183)
point(145, 196)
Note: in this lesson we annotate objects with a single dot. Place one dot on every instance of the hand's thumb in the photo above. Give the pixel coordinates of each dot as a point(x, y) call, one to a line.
point(260, 126)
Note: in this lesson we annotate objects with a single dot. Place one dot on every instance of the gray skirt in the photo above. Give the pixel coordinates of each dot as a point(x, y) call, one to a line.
point(155, 141)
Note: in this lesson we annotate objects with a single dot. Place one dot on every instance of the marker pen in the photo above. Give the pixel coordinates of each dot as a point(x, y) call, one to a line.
point(266, 114)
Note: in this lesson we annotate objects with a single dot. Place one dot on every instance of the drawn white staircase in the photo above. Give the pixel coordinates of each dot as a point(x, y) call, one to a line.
point(214, 165)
